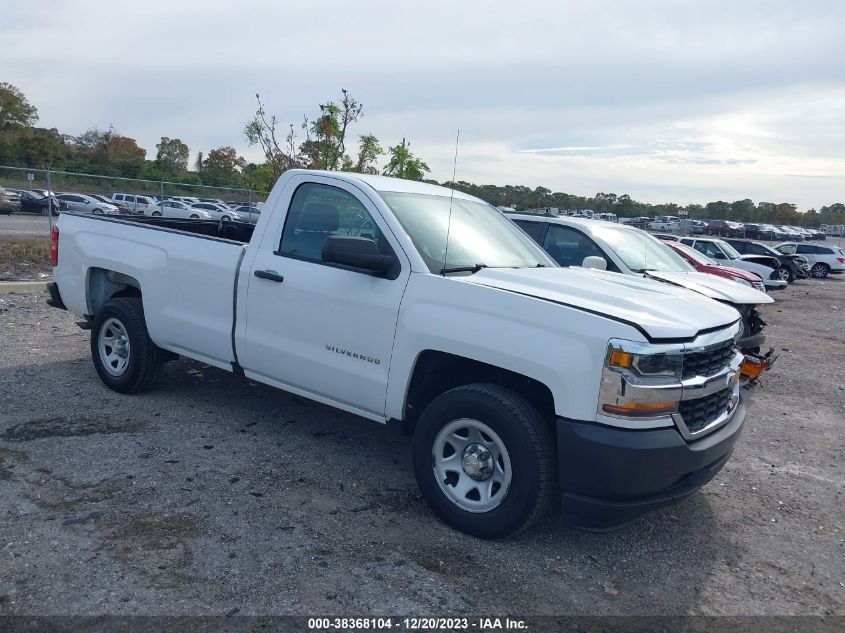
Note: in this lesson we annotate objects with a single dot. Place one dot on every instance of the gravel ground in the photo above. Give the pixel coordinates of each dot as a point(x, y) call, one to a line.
point(212, 494)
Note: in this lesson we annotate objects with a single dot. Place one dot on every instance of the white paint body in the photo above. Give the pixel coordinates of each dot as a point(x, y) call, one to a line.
point(308, 334)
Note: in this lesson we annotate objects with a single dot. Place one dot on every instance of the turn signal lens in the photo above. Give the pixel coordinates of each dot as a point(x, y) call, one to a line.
point(640, 409)
point(619, 359)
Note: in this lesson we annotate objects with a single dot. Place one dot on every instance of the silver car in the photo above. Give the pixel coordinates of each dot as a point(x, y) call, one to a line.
point(82, 203)
point(218, 211)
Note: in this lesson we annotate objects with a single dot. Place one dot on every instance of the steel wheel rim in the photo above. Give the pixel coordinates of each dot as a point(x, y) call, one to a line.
point(459, 450)
point(113, 344)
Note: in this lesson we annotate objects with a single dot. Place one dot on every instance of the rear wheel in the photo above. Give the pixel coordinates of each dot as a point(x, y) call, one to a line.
point(484, 460)
point(156, 214)
point(194, 216)
point(124, 356)
point(820, 270)
point(785, 274)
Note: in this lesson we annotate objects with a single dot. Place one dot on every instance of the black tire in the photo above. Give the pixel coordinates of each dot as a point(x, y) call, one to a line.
point(97, 212)
point(529, 444)
point(156, 214)
point(819, 270)
point(145, 358)
point(194, 216)
point(226, 218)
point(785, 274)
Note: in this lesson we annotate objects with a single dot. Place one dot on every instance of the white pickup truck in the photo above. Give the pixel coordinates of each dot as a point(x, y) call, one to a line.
point(405, 302)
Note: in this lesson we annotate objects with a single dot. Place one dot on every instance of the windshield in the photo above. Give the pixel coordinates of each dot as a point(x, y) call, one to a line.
point(639, 251)
point(479, 235)
point(730, 251)
point(695, 255)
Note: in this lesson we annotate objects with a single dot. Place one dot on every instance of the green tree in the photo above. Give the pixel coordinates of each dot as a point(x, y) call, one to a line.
point(15, 109)
point(369, 150)
point(325, 137)
point(280, 153)
point(222, 166)
point(172, 156)
point(403, 164)
point(744, 210)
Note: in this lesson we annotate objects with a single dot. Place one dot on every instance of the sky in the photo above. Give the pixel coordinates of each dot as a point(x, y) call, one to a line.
point(666, 100)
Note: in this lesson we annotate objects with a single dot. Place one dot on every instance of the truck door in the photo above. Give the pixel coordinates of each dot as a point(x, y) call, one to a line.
point(313, 326)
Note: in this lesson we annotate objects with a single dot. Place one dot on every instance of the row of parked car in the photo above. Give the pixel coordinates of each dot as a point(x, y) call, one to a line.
point(718, 268)
point(727, 228)
point(41, 202)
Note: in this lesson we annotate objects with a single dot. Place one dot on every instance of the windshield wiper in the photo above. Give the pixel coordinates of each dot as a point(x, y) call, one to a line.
point(462, 269)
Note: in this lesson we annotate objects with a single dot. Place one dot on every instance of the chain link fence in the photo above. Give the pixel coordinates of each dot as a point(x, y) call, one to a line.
point(31, 201)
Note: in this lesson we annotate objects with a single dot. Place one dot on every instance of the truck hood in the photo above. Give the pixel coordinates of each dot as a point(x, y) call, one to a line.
point(657, 309)
point(714, 287)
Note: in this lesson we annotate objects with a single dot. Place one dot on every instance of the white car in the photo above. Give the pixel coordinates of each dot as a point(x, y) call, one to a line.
point(139, 205)
point(631, 251)
point(518, 379)
point(217, 211)
point(87, 204)
point(189, 200)
point(665, 223)
point(178, 209)
point(824, 260)
point(723, 252)
point(250, 214)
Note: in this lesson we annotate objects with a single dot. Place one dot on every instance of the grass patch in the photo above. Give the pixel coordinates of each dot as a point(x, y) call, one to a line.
point(24, 258)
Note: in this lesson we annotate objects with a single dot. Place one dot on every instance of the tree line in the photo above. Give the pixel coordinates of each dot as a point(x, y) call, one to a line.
point(320, 142)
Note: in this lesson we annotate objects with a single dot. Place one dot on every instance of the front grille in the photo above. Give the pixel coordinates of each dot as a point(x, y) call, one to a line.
point(709, 361)
point(700, 412)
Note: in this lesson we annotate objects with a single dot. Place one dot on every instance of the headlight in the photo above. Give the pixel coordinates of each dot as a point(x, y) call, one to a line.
point(641, 385)
point(740, 280)
point(646, 365)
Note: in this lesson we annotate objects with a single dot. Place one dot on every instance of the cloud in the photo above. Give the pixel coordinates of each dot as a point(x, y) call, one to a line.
point(656, 98)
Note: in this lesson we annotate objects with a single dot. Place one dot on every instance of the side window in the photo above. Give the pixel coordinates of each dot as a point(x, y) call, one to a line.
point(129, 199)
point(810, 249)
point(803, 250)
point(534, 229)
point(569, 247)
point(708, 248)
point(317, 212)
point(786, 249)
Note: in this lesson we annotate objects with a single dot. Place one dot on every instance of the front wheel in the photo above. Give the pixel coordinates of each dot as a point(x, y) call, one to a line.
point(124, 356)
point(484, 460)
point(156, 214)
point(785, 274)
point(225, 218)
point(820, 270)
point(194, 216)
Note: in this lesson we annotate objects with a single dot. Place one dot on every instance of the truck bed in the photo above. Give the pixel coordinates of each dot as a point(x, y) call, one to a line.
point(234, 231)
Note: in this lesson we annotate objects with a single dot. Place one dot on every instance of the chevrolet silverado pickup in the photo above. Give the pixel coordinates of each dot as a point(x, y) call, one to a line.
point(403, 302)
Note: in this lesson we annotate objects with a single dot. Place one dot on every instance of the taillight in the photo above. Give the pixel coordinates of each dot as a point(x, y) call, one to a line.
point(54, 246)
point(841, 260)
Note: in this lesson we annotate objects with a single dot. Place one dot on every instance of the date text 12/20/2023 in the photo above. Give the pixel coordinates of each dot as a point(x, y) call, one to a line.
point(417, 624)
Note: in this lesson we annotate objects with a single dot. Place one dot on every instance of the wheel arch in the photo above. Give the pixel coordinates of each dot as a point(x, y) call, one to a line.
point(436, 372)
point(103, 285)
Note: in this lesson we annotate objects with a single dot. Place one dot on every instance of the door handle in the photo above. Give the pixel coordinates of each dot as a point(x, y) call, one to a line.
point(269, 275)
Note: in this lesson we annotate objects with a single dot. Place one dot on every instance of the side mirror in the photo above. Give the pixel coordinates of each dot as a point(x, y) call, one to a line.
point(356, 252)
point(593, 261)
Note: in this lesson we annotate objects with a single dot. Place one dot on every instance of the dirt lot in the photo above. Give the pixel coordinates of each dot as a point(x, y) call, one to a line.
point(212, 494)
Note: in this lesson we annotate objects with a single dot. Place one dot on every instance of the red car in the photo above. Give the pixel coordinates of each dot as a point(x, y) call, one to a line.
point(704, 264)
